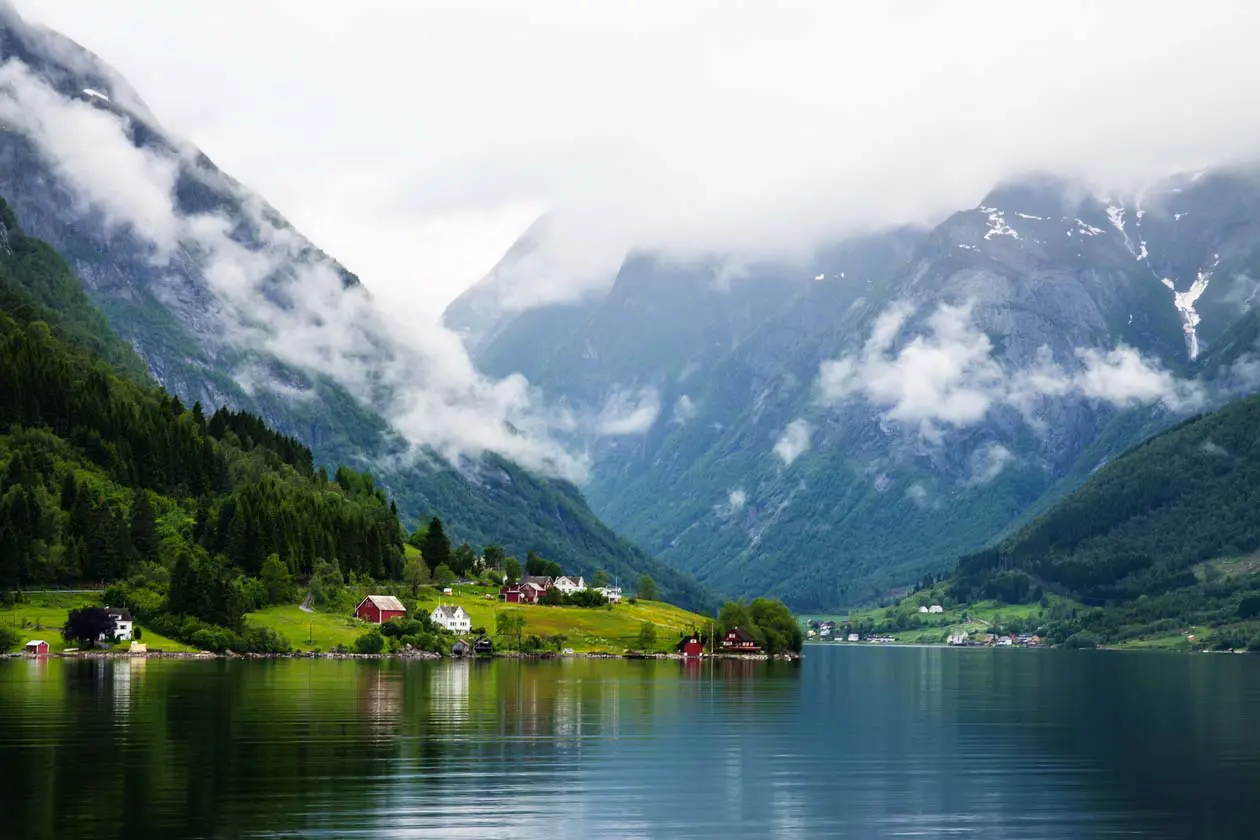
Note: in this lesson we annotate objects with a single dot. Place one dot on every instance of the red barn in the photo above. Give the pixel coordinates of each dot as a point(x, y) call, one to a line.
point(691, 646)
point(738, 640)
point(36, 647)
point(379, 609)
point(521, 593)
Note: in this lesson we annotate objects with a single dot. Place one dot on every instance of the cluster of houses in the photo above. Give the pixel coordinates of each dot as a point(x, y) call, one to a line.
point(122, 630)
point(532, 588)
point(736, 640)
point(963, 639)
point(820, 629)
point(379, 609)
point(935, 609)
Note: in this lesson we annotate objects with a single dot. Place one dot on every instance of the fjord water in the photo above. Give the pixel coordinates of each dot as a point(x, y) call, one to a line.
point(851, 742)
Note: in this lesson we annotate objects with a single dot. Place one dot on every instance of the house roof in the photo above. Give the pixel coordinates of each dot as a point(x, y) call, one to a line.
point(541, 581)
point(448, 611)
point(688, 640)
point(119, 613)
point(384, 602)
point(741, 634)
point(36, 642)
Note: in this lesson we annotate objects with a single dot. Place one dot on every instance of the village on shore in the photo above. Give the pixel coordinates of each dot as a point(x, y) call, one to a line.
point(377, 612)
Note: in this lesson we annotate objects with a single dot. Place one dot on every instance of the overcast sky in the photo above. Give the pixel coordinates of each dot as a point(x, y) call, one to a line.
point(414, 141)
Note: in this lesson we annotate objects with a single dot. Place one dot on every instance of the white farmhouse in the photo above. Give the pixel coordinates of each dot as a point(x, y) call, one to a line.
point(612, 593)
point(923, 609)
point(936, 609)
point(452, 618)
point(568, 584)
point(122, 625)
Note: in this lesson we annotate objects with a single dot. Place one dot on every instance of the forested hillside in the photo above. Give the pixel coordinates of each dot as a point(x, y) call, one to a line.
point(194, 519)
point(1161, 539)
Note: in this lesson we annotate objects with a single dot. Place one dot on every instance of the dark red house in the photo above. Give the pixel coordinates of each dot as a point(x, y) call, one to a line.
point(739, 640)
point(691, 646)
point(36, 647)
point(521, 593)
point(379, 609)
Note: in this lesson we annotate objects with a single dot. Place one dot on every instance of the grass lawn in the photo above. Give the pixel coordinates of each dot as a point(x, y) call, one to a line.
point(309, 631)
point(587, 629)
point(41, 616)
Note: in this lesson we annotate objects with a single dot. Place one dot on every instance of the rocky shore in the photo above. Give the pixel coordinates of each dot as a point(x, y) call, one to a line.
point(410, 654)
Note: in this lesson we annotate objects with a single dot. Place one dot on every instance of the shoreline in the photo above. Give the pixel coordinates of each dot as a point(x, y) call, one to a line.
point(428, 656)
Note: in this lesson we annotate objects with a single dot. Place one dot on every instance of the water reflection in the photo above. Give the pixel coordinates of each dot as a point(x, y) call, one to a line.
point(854, 742)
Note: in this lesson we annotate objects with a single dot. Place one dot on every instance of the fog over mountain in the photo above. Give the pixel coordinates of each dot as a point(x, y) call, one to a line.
point(416, 141)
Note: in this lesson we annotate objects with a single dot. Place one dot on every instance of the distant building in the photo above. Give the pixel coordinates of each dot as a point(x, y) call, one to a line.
point(36, 647)
point(854, 637)
point(139, 648)
point(483, 647)
point(691, 646)
point(379, 609)
point(461, 649)
point(568, 584)
point(543, 582)
point(739, 640)
point(448, 591)
point(936, 609)
point(123, 626)
point(957, 639)
point(451, 618)
point(612, 593)
point(923, 609)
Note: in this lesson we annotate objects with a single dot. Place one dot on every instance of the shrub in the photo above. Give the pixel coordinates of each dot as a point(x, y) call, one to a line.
point(1081, 641)
point(264, 640)
point(370, 642)
point(8, 639)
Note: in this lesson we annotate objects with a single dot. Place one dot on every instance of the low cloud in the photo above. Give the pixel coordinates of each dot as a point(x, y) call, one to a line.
point(919, 494)
point(274, 295)
point(735, 501)
point(794, 442)
point(629, 412)
point(947, 376)
point(684, 410)
point(987, 463)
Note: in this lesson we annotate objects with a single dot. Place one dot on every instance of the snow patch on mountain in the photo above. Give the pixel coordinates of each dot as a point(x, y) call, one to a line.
point(997, 224)
point(1185, 303)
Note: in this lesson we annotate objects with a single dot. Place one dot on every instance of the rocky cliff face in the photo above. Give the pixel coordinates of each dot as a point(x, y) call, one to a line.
point(913, 394)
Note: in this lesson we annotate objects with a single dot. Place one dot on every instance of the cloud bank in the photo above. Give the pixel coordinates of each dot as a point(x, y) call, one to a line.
point(948, 377)
point(275, 295)
point(697, 127)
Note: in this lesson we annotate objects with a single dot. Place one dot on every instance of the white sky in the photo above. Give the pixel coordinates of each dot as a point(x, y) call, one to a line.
point(414, 141)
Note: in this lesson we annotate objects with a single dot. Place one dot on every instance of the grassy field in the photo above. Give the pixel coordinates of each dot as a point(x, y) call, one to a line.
point(612, 630)
point(309, 631)
point(41, 616)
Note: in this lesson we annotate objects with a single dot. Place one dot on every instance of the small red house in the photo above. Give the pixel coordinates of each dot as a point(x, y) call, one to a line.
point(738, 640)
point(36, 647)
point(691, 646)
point(379, 609)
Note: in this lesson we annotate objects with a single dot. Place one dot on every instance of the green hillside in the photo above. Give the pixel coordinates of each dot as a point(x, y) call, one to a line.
point(1156, 541)
point(193, 520)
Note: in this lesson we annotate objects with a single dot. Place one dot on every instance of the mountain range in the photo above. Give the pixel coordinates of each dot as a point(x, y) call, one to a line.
point(830, 431)
point(228, 305)
point(825, 430)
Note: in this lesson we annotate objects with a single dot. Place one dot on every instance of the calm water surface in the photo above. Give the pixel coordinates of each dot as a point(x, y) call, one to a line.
point(853, 742)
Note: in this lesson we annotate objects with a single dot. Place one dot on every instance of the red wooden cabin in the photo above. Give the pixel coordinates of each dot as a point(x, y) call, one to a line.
point(379, 609)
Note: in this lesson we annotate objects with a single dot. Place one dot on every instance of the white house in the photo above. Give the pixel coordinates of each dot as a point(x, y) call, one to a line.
point(452, 618)
point(122, 625)
point(612, 593)
point(957, 638)
point(923, 609)
point(568, 584)
point(935, 609)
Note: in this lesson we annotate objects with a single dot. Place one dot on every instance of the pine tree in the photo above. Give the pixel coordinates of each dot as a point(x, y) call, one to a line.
point(436, 548)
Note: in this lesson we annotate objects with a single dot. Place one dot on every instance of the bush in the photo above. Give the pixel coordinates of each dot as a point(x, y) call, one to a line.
point(8, 639)
point(264, 640)
point(370, 642)
point(1081, 641)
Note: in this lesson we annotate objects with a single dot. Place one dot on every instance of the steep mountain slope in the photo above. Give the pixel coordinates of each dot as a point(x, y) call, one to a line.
point(911, 407)
point(228, 305)
point(1139, 523)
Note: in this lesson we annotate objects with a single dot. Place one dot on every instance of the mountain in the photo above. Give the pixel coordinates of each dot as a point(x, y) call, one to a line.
point(227, 305)
point(909, 396)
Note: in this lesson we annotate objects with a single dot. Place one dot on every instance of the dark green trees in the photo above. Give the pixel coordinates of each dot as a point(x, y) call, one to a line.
point(436, 548)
